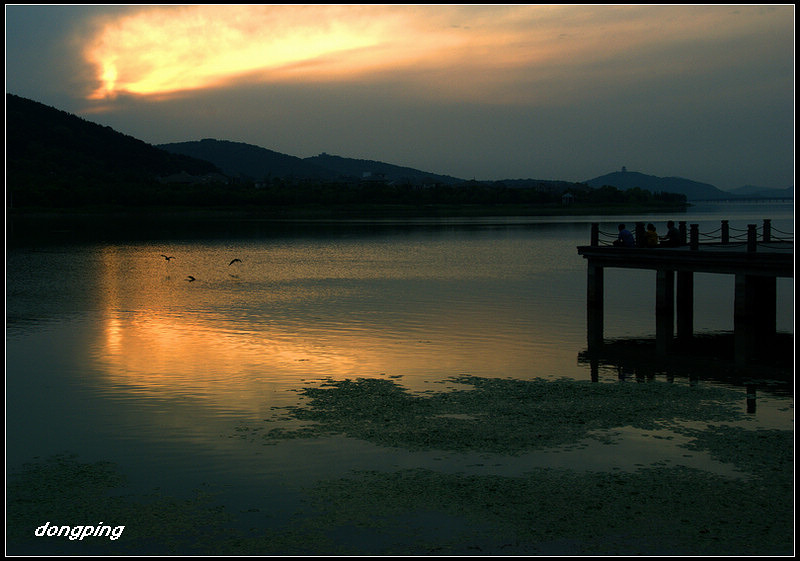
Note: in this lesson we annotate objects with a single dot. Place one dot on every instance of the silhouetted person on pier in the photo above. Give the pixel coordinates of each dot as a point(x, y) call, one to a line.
point(673, 237)
point(651, 236)
point(624, 238)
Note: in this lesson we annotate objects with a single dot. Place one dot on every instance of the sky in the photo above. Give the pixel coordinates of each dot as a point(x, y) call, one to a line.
point(561, 92)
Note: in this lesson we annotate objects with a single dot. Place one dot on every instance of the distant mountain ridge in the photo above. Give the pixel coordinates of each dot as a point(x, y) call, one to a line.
point(630, 179)
point(54, 157)
point(248, 161)
point(38, 135)
point(365, 169)
point(693, 190)
point(256, 163)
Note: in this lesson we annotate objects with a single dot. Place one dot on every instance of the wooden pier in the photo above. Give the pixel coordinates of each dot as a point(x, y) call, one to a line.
point(756, 259)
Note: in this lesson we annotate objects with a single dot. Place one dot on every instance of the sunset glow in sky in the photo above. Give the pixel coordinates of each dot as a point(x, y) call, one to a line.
point(159, 50)
point(491, 92)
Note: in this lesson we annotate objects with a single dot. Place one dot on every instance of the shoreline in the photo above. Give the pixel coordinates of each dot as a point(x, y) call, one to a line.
point(337, 212)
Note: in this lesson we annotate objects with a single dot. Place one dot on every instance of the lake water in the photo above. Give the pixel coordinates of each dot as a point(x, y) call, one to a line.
point(113, 354)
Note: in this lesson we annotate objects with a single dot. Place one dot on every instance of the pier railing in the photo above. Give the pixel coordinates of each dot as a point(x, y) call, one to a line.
point(724, 237)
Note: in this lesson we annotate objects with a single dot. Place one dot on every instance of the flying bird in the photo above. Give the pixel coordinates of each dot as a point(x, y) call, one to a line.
point(167, 257)
point(234, 261)
point(190, 278)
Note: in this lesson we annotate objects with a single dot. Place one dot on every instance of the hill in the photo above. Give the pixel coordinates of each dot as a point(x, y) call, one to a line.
point(54, 158)
point(371, 169)
point(693, 190)
point(247, 161)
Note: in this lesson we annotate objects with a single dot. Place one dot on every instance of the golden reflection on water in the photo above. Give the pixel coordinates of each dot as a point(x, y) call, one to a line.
point(191, 354)
point(163, 351)
point(232, 340)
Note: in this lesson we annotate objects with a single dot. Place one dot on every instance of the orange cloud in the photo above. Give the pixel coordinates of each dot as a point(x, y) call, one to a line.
point(168, 49)
point(508, 52)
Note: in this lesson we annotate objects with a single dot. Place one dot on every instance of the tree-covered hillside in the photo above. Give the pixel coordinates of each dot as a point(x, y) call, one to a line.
point(693, 190)
point(58, 160)
point(54, 158)
point(246, 161)
point(258, 164)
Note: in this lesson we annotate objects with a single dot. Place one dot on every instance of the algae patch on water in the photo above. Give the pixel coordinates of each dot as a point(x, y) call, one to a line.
point(655, 511)
point(505, 416)
point(417, 510)
point(652, 510)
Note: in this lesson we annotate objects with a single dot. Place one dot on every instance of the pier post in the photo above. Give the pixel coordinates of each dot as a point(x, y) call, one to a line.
point(682, 230)
point(752, 237)
point(766, 314)
point(594, 306)
point(754, 300)
point(768, 309)
point(751, 398)
point(694, 237)
point(754, 316)
point(685, 305)
point(665, 310)
point(767, 232)
point(744, 325)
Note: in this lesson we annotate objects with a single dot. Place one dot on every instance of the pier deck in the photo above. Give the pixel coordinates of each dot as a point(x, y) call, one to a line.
point(756, 261)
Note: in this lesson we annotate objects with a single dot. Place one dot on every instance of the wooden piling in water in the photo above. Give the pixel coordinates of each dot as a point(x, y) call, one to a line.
point(754, 298)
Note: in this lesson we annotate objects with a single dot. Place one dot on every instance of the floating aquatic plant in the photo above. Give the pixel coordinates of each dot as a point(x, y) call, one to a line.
point(505, 416)
point(654, 511)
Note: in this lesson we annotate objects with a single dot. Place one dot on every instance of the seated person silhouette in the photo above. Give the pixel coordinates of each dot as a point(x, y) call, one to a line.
point(624, 237)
